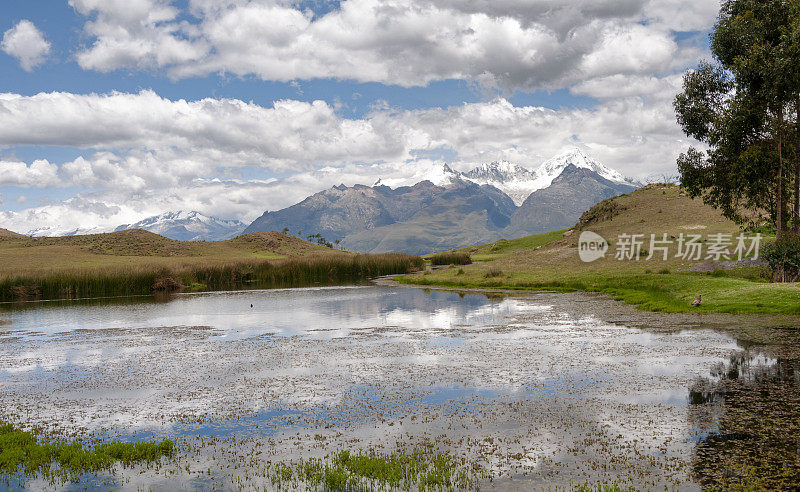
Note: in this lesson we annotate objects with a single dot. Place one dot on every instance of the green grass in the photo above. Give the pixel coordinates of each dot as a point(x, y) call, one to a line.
point(421, 469)
point(22, 453)
point(147, 279)
point(505, 247)
point(661, 292)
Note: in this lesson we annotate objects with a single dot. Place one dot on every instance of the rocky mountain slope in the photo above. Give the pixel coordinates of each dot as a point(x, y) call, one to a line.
point(452, 208)
point(462, 213)
point(559, 205)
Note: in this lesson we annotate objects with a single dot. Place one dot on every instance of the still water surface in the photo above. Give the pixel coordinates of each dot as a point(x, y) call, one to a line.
point(537, 390)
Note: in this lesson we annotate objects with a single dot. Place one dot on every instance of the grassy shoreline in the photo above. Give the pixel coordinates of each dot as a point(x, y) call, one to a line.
point(136, 263)
point(668, 293)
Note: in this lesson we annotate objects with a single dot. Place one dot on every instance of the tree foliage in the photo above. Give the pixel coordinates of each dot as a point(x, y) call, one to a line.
point(744, 108)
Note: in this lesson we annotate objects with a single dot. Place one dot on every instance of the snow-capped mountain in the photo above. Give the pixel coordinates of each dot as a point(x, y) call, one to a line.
point(515, 181)
point(444, 176)
point(189, 226)
point(61, 231)
point(553, 168)
point(519, 182)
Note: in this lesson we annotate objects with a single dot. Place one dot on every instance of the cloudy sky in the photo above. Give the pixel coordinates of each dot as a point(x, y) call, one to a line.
point(116, 110)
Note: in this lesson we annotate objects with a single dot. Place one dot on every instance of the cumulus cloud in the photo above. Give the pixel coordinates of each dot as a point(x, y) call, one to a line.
point(27, 44)
point(175, 141)
point(145, 154)
point(509, 44)
point(39, 174)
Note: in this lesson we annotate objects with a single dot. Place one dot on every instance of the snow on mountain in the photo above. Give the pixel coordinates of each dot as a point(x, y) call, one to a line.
point(189, 226)
point(553, 168)
point(515, 181)
point(443, 176)
point(519, 182)
point(49, 231)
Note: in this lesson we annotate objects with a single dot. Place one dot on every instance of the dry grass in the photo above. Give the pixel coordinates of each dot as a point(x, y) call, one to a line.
point(141, 250)
point(138, 262)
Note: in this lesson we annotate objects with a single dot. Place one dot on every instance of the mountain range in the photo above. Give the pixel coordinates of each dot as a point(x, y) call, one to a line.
point(453, 209)
point(448, 210)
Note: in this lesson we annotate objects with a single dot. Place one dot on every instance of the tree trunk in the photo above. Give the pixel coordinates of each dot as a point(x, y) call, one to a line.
point(796, 227)
point(779, 198)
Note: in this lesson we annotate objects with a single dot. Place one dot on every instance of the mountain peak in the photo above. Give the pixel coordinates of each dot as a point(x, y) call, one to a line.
point(576, 157)
point(499, 172)
point(519, 182)
point(188, 226)
point(444, 176)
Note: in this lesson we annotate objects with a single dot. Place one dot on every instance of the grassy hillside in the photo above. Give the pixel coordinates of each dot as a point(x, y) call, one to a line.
point(137, 262)
point(550, 262)
point(507, 247)
point(20, 255)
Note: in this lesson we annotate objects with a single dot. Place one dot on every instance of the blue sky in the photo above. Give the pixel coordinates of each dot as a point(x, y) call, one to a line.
point(367, 89)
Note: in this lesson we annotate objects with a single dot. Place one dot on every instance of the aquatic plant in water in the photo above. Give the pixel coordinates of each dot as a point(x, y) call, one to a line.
point(22, 455)
point(422, 468)
point(452, 258)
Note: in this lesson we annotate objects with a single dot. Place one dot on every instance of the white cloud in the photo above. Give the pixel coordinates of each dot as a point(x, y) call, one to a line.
point(27, 44)
point(229, 131)
point(167, 142)
point(510, 44)
point(145, 154)
point(39, 174)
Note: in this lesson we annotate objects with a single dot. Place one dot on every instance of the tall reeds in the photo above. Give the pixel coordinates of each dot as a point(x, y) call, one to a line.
point(143, 280)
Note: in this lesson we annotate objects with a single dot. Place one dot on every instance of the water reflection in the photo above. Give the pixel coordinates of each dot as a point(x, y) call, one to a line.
point(747, 416)
point(322, 312)
point(508, 380)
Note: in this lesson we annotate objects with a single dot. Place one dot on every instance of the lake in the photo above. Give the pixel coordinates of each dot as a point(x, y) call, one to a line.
point(539, 389)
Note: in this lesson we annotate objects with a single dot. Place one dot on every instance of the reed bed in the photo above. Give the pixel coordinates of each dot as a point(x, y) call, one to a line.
point(452, 258)
point(149, 279)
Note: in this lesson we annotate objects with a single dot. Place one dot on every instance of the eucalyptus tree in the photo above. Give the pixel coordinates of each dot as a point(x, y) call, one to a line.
point(740, 107)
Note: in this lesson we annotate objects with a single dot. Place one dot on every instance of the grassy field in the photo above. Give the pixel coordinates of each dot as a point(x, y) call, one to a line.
point(551, 261)
point(137, 262)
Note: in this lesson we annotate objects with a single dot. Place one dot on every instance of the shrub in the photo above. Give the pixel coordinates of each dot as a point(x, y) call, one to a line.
point(493, 272)
point(452, 258)
point(783, 257)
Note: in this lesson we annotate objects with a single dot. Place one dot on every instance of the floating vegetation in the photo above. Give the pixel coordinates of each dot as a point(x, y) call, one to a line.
point(751, 408)
point(423, 468)
point(23, 455)
point(452, 258)
point(144, 280)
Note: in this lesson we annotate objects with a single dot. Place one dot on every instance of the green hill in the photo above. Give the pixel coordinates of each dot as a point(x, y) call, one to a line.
point(551, 261)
